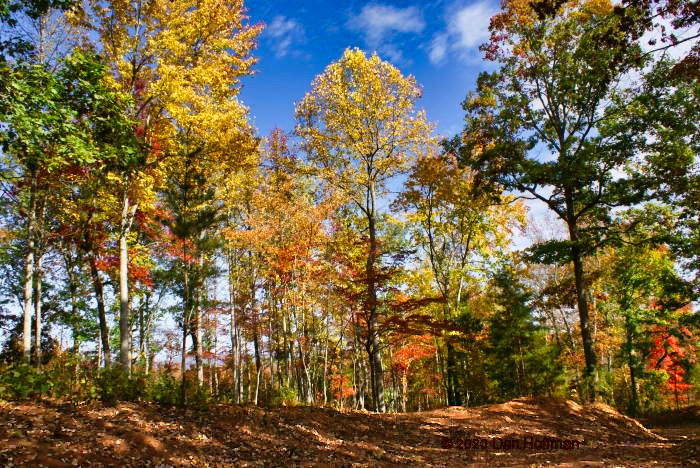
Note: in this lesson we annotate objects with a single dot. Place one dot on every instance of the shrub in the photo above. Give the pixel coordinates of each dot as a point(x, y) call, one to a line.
point(284, 396)
point(22, 381)
point(115, 385)
point(164, 389)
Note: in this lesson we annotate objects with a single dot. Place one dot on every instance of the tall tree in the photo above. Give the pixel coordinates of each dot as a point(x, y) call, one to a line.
point(53, 124)
point(360, 127)
point(181, 63)
point(461, 229)
point(205, 50)
point(552, 95)
point(519, 359)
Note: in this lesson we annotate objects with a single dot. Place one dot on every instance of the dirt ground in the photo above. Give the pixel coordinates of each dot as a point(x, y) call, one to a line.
point(523, 432)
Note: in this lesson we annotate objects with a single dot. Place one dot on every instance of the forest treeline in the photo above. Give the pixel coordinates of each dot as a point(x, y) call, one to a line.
point(154, 247)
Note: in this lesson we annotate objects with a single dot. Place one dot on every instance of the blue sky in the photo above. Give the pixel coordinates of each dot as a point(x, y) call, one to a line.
point(436, 41)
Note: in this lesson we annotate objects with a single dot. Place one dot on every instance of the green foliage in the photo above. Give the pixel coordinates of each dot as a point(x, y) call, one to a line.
point(65, 117)
point(284, 396)
point(198, 397)
point(21, 381)
point(164, 388)
point(519, 359)
point(115, 385)
point(660, 110)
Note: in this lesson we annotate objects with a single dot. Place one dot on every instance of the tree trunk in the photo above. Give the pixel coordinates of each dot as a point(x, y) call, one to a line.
point(99, 297)
point(143, 330)
point(307, 382)
point(37, 309)
point(185, 327)
point(582, 302)
point(285, 345)
point(258, 361)
point(270, 359)
point(29, 273)
point(404, 388)
point(325, 364)
point(376, 371)
point(234, 331)
point(183, 364)
point(454, 396)
point(73, 288)
point(200, 296)
point(257, 386)
point(197, 341)
point(99, 350)
point(124, 338)
point(634, 403)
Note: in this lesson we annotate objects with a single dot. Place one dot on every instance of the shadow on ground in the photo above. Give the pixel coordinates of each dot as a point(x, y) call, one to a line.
point(56, 434)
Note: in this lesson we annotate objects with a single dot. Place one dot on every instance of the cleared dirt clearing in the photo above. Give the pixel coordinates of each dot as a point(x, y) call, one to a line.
point(54, 433)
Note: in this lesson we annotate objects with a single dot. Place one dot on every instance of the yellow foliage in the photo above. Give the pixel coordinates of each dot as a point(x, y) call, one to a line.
point(359, 123)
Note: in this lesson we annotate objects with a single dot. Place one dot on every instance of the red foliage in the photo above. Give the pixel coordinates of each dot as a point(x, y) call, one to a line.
point(340, 386)
point(668, 355)
point(418, 347)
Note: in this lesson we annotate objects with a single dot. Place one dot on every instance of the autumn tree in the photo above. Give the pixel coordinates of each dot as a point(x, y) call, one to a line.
point(553, 94)
point(203, 57)
point(644, 291)
point(665, 25)
point(163, 54)
point(360, 128)
point(53, 125)
point(669, 147)
point(461, 229)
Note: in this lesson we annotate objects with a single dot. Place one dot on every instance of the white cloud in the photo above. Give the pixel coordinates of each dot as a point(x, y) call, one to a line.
point(379, 24)
point(437, 49)
point(470, 25)
point(466, 29)
point(284, 33)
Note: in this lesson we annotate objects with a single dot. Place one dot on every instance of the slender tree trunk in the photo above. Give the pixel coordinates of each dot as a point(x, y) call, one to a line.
point(73, 289)
point(634, 403)
point(197, 343)
point(454, 396)
point(99, 350)
point(234, 330)
point(285, 344)
point(29, 272)
point(258, 361)
point(325, 364)
point(270, 351)
point(307, 382)
point(363, 383)
point(128, 212)
point(186, 307)
point(376, 370)
point(404, 389)
point(213, 381)
point(102, 316)
point(257, 385)
point(144, 313)
point(200, 295)
point(37, 309)
point(240, 371)
point(183, 364)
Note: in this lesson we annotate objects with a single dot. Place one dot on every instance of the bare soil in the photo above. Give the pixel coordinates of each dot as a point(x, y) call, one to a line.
point(58, 434)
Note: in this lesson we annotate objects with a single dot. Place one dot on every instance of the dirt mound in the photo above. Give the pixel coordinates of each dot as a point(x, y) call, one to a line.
point(523, 432)
point(555, 417)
